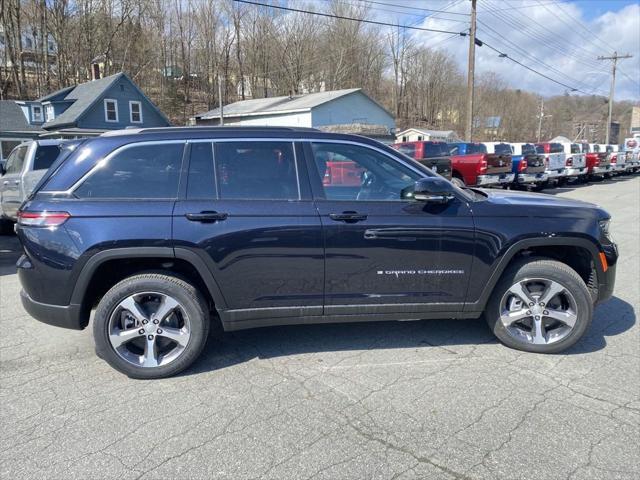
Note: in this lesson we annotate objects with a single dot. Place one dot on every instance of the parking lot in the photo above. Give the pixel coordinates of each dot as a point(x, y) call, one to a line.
point(438, 399)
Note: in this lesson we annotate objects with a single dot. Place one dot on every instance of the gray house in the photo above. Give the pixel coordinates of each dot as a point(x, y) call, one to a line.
point(350, 107)
point(90, 108)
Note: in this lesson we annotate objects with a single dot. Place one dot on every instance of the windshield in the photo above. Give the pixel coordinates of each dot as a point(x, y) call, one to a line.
point(503, 149)
point(435, 150)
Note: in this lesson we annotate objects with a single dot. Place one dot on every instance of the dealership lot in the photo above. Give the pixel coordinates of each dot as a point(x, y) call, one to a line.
point(430, 399)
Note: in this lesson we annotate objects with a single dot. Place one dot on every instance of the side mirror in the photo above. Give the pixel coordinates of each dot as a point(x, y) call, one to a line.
point(433, 190)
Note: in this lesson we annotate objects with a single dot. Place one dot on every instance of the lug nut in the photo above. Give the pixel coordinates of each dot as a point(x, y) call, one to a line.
point(528, 312)
point(141, 331)
point(156, 321)
point(145, 321)
point(159, 331)
point(150, 337)
point(546, 312)
point(542, 304)
point(537, 317)
point(531, 304)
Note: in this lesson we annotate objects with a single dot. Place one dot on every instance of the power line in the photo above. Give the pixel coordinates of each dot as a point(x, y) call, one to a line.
point(415, 8)
point(342, 17)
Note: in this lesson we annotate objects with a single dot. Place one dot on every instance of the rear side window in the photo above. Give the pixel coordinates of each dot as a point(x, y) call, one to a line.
point(476, 148)
point(556, 148)
point(256, 170)
point(45, 156)
point(140, 171)
point(435, 150)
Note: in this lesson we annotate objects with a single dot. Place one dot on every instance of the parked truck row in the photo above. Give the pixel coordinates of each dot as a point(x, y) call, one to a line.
point(533, 166)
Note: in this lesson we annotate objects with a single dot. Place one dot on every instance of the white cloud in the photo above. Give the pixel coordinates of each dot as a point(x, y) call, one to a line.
point(559, 36)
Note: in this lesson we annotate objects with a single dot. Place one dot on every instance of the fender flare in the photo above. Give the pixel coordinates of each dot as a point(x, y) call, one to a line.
point(514, 249)
point(93, 263)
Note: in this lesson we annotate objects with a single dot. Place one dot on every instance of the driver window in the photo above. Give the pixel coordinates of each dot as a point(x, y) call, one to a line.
point(352, 172)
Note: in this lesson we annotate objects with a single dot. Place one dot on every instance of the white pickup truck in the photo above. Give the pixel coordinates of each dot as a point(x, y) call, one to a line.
point(576, 161)
point(24, 167)
point(555, 160)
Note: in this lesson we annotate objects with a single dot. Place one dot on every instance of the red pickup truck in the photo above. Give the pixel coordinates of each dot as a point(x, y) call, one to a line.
point(434, 155)
point(472, 165)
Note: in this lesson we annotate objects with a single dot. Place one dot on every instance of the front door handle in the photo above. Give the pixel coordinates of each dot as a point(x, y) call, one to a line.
point(6, 182)
point(348, 217)
point(207, 217)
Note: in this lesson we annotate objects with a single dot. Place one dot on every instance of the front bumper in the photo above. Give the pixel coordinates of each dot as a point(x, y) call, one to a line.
point(65, 316)
point(496, 179)
point(532, 177)
point(575, 172)
point(607, 280)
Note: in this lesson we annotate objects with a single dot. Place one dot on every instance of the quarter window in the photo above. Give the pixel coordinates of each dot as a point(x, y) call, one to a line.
point(135, 112)
point(141, 171)
point(110, 110)
point(256, 170)
point(352, 172)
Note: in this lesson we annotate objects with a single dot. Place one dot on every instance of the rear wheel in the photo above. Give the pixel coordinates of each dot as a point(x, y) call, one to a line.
point(151, 326)
point(540, 306)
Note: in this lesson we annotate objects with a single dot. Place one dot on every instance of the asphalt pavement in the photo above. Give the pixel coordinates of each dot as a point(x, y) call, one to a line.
point(436, 399)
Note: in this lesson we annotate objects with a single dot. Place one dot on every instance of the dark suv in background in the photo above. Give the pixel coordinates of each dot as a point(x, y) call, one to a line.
point(164, 231)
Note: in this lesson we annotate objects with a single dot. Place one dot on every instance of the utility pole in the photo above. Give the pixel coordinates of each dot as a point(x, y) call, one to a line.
point(615, 57)
point(540, 117)
point(221, 123)
point(470, 73)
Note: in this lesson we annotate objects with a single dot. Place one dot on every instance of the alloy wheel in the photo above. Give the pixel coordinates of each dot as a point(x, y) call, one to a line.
point(538, 311)
point(149, 329)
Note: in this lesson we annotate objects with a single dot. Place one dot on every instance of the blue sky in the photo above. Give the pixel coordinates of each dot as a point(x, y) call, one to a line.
point(560, 38)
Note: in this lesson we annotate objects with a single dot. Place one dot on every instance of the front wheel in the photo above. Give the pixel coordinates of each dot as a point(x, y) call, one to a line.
point(151, 326)
point(540, 306)
point(458, 182)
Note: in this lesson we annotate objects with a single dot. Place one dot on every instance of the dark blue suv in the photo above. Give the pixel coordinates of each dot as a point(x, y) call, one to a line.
point(164, 231)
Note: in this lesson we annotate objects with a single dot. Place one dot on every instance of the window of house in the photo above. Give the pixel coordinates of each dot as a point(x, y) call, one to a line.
point(140, 171)
point(419, 138)
point(49, 113)
point(110, 110)
point(256, 170)
point(36, 113)
point(28, 43)
point(352, 172)
point(135, 112)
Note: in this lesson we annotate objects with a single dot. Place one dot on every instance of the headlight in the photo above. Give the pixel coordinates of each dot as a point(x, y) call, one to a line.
point(604, 227)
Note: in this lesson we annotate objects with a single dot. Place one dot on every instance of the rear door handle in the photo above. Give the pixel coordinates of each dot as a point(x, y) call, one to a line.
point(348, 217)
point(207, 217)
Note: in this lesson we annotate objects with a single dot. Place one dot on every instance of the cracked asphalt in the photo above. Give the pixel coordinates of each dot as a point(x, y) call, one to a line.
point(437, 399)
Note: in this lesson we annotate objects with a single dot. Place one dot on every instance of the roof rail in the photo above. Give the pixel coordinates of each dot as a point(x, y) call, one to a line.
point(132, 131)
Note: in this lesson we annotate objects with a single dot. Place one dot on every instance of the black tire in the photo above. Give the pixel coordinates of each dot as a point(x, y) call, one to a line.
point(6, 226)
point(188, 298)
point(458, 182)
point(543, 269)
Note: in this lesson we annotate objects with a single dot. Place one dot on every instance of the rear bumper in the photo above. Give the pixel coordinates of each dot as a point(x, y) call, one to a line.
point(551, 174)
point(601, 170)
point(65, 316)
point(574, 172)
point(532, 177)
point(495, 179)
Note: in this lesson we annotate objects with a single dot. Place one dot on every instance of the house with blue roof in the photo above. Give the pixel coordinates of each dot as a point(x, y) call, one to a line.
point(87, 109)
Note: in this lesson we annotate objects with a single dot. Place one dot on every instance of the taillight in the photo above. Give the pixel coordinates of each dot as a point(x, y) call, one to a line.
point(614, 159)
point(522, 166)
point(570, 162)
point(482, 167)
point(42, 219)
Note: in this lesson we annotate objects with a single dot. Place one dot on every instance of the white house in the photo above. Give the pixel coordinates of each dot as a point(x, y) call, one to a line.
point(421, 134)
point(317, 110)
